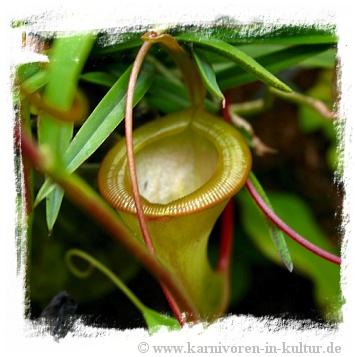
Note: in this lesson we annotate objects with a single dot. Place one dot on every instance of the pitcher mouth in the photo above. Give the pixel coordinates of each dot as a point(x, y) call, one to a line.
point(186, 162)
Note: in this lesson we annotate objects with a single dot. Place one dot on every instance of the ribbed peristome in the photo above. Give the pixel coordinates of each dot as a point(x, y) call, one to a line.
point(228, 150)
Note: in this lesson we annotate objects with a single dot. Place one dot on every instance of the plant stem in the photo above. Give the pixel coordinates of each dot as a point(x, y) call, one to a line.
point(129, 143)
point(226, 246)
point(288, 230)
point(227, 238)
point(132, 168)
point(308, 101)
point(76, 113)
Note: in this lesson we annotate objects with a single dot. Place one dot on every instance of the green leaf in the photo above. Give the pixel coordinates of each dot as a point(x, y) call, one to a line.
point(257, 50)
point(234, 54)
point(35, 82)
point(227, 29)
point(105, 118)
point(53, 204)
point(325, 59)
point(169, 97)
point(295, 212)
point(67, 58)
point(47, 187)
point(273, 62)
point(153, 319)
point(275, 233)
point(208, 76)
point(101, 78)
point(54, 137)
point(27, 70)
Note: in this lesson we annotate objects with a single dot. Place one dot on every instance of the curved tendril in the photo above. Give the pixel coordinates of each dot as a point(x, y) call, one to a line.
point(132, 167)
point(129, 143)
point(95, 264)
point(288, 230)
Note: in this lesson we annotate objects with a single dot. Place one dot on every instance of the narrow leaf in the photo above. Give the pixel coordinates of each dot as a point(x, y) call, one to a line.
point(53, 204)
point(105, 118)
point(155, 321)
point(275, 233)
point(67, 58)
point(325, 59)
point(169, 97)
point(26, 70)
point(273, 62)
point(234, 54)
point(208, 76)
point(35, 82)
point(257, 33)
point(257, 50)
point(101, 78)
point(47, 187)
point(295, 212)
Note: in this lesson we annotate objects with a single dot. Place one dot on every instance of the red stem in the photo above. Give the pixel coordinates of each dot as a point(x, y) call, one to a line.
point(226, 238)
point(274, 218)
point(132, 168)
point(174, 307)
point(129, 143)
point(288, 230)
point(104, 214)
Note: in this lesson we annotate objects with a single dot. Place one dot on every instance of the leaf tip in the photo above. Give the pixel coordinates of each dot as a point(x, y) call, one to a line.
point(289, 266)
point(285, 88)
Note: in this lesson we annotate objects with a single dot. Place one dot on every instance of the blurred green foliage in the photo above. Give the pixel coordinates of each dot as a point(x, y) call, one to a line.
point(100, 67)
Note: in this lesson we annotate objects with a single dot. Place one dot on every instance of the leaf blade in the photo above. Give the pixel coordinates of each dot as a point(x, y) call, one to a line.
point(208, 76)
point(67, 59)
point(234, 33)
point(274, 62)
point(53, 204)
point(275, 233)
point(101, 78)
point(234, 54)
point(295, 212)
point(104, 119)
